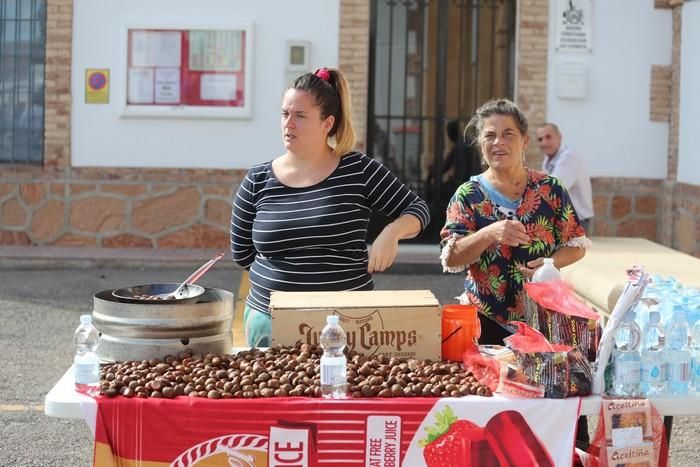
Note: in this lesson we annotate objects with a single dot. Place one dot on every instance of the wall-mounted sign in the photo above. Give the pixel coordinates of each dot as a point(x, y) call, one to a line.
point(96, 86)
point(572, 25)
point(187, 67)
point(572, 81)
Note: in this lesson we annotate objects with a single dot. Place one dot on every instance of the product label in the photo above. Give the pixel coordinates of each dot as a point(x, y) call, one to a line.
point(696, 371)
point(627, 372)
point(678, 372)
point(333, 371)
point(86, 373)
point(653, 374)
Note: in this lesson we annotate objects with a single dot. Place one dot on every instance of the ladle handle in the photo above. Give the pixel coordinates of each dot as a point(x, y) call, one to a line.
point(194, 277)
point(197, 274)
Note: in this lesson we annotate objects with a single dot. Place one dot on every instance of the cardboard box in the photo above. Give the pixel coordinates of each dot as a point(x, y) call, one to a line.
point(396, 323)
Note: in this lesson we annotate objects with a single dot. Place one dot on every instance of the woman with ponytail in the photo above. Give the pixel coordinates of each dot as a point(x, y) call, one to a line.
point(299, 222)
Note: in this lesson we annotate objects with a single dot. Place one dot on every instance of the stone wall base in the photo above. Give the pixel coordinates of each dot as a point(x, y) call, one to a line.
point(111, 207)
point(117, 207)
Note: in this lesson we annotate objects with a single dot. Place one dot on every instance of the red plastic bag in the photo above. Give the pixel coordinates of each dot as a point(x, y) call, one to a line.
point(527, 339)
point(558, 296)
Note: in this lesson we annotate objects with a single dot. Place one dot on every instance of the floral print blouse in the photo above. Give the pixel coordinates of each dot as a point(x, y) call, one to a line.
point(494, 282)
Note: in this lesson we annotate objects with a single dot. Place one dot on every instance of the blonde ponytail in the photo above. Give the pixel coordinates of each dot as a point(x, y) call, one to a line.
point(345, 138)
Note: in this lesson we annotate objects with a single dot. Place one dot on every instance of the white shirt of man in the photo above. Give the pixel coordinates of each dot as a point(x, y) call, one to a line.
point(570, 169)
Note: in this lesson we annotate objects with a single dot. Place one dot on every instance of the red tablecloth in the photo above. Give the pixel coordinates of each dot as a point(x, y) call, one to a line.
point(309, 432)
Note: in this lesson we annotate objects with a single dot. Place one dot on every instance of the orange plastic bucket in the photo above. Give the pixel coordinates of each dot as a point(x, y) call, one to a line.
point(460, 330)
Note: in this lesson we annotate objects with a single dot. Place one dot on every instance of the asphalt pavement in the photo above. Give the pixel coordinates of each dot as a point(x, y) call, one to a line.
point(42, 298)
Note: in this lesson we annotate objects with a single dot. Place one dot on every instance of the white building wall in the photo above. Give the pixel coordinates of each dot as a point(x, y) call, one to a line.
point(688, 152)
point(102, 137)
point(610, 126)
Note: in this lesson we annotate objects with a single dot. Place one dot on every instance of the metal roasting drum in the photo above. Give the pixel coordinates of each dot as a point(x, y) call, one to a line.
point(141, 331)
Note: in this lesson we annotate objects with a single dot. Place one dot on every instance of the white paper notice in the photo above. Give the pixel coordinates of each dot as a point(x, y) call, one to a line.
point(167, 85)
point(218, 87)
point(216, 50)
point(140, 86)
point(622, 437)
point(156, 48)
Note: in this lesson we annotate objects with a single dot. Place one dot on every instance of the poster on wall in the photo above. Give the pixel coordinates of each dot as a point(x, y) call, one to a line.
point(140, 85)
point(216, 50)
point(218, 87)
point(188, 68)
point(156, 48)
point(167, 86)
point(572, 25)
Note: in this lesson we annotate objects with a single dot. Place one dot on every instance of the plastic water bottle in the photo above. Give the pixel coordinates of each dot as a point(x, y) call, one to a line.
point(653, 357)
point(86, 363)
point(546, 272)
point(695, 350)
point(628, 362)
point(333, 362)
point(677, 353)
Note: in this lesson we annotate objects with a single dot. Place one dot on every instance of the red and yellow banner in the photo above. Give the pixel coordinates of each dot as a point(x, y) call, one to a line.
point(301, 432)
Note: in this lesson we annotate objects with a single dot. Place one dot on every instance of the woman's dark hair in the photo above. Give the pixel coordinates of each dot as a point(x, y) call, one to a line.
point(495, 107)
point(332, 95)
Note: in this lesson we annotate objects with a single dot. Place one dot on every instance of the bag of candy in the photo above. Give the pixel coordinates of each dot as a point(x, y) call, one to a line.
point(494, 368)
point(554, 309)
point(561, 369)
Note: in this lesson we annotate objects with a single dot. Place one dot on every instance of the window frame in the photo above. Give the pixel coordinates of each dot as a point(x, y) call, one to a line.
point(25, 88)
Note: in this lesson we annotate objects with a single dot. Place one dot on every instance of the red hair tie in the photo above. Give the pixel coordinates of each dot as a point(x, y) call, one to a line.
point(324, 74)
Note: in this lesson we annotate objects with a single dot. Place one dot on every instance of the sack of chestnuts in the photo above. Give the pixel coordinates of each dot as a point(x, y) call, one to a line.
point(282, 372)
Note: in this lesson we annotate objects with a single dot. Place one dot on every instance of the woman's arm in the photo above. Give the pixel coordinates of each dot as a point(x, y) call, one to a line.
point(466, 250)
point(567, 255)
point(389, 196)
point(386, 245)
point(242, 217)
point(563, 257)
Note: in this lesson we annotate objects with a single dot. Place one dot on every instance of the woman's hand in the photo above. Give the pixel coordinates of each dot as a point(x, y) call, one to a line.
point(383, 251)
point(531, 267)
point(511, 233)
point(385, 247)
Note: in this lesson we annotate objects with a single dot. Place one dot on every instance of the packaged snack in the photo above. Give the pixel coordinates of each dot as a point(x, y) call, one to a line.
point(641, 455)
point(553, 309)
point(499, 375)
point(561, 369)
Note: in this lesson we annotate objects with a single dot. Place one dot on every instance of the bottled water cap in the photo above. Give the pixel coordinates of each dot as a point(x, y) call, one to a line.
point(548, 261)
point(654, 317)
point(85, 319)
point(332, 319)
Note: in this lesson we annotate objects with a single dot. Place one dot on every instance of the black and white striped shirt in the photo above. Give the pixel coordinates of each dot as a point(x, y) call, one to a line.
point(313, 238)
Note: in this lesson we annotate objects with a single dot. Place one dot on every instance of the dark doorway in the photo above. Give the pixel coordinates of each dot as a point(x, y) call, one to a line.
point(432, 63)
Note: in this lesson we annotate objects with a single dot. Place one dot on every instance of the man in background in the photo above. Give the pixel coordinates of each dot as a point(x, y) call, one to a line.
point(569, 168)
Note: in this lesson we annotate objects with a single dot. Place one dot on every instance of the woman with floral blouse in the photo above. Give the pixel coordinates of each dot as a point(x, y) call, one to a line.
point(502, 223)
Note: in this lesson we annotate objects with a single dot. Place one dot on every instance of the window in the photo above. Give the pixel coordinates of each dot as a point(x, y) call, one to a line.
point(192, 72)
point(22, 51)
